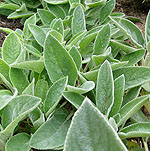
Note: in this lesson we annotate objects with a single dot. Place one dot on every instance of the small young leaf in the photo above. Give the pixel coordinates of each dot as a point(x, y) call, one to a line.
point(46, 16)
point(134, 57)
point(105, 89)
point(74, 98)
point(34, 65)
point(98, 59)
point(58, 62)
point(31, 20)
point(18, 79)
point(84, 130)
point(15, 111)
point(131, 94)
point(58, 26)
point(5, 97)
point(119, 85)
point(52, 133)
point(135, 130)
point(11, 48)
point(20, 14)
point(102, 40)
point(54, 95)
point(125, 48)
point(18, 142)
point(147, 28)
point(76, 57)
point(56, 2)
point(56, 10)
point(131, 108)
point(38, 34)
point(78, 21)
point(134, 76)
point(41, 89)
point(4, 69)
point(84, 88)
point(106, 10)
point(30, 88)
point(130, 30)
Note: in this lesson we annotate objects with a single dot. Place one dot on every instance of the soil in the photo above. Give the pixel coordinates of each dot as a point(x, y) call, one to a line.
point(130, 7)
point(8, 23)
point(135, 8)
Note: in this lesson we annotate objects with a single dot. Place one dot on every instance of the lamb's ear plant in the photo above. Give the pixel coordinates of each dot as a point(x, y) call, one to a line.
point(71, 80)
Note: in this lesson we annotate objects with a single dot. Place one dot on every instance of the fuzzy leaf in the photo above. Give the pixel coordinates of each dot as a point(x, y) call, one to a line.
point(135, 130)
point(130, 30)
point(11, 48)
point(131, 108)
point(134, 76)
point(38, 34)
point(84, 130)
point(76, 57)
point(119, 84)
point(33, 65)
point(18, 79)
point(147, 28)
point(84, 88)
point(15, 111)
point(46, 16)
point(105, 88)
point(5, 98)
point(58, 62)
point(74, 98)
point(52, 133)
point(54, 95)
point(102, 40)
point(18, 142)
point(78, 21)
point(106, 10)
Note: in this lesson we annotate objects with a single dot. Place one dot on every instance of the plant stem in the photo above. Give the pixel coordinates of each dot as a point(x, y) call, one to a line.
point(145, 144)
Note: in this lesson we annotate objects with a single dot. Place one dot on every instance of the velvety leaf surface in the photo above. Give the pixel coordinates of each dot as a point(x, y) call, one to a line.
point(86, 124)
point(106, 10)
point(58, 62)
point(38, 34)
point(54, 95)
point(102, 40)
point(130, 108)
point(15, 111)
point(78, 21)
point(135, 130)
point(52, 133)
point(18, 79)
point(134, 76)
point(130, 29)
point(56, 10)
point(5, 97)
point(34, 65)
point(105, 88)
point(147, 28)
point(11, 48)
point(84, 88)
point(134, 57)
point(119, 84)
point(74, 98)
point(46, 16)
point(18, 142)
point(4, 69)
point(76, 57)
point(41, 89)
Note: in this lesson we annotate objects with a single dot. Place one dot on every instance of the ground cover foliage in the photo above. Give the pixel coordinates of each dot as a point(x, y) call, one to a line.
point(74, 79)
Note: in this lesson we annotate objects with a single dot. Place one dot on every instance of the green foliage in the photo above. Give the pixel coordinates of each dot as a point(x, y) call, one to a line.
point(74, 79)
